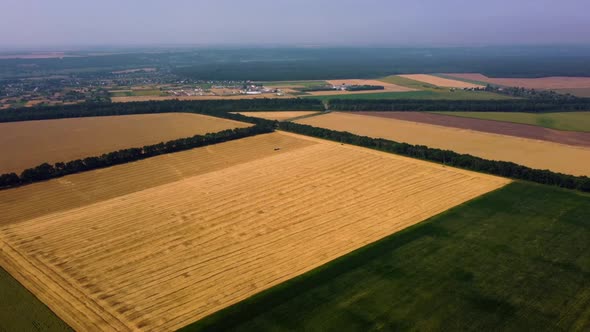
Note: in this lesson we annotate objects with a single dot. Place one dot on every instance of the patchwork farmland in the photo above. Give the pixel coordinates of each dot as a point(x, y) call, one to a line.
point(562, 158)
point(387, 87)
point(30, 143)
point(176, 243)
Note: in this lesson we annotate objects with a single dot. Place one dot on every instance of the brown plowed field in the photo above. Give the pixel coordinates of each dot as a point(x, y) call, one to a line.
point(489, 126)
point(30, 143)
point(531, 83)
point(160, 258)
point(442, 82)
point(532, 153)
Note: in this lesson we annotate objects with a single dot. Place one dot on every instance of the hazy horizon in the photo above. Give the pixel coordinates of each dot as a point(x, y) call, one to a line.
point(68, 23)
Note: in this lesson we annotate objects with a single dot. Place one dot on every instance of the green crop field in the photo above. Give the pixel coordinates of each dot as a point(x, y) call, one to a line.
point(571, 121)
point(409, 83)
point(515, 259)
point(22, 311)
point(427, 91)
point(426, 94)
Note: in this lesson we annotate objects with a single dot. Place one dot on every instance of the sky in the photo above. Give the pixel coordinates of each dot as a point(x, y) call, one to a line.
point(32, 23)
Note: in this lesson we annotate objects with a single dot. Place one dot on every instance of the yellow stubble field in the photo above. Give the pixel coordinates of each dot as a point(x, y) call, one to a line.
point(30, 143)
point(180, 249)
point(532, 153)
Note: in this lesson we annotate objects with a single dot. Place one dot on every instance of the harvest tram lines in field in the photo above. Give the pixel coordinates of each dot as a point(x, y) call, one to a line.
point(226, 222)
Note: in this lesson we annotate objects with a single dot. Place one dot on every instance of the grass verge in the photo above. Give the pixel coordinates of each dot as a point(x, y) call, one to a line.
point(22, 311)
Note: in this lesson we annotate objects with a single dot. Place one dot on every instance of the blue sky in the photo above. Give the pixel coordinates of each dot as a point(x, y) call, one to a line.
point(301, 22)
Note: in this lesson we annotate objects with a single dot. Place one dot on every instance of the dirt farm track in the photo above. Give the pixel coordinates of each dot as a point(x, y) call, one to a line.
point(224, 222)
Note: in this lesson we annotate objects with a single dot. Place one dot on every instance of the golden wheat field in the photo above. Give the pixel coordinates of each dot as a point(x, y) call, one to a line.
point(532, 153)
point(442, 82)
point(30, 143)
point(277, 115)
point(195, 242)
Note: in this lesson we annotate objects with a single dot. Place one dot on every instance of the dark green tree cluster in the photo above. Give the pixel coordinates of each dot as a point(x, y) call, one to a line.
point(347, 88)
point(515, 105)
point(364, 87)
point(465, 161)
point(530, 93)
point(47, 171)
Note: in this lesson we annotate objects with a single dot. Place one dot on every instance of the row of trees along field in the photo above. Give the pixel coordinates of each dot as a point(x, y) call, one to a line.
point(222, 108)
point(47, 171)
point(216, 107)
point(516, 105)
point(365, 87)
point(447, 157)
point(211, 107)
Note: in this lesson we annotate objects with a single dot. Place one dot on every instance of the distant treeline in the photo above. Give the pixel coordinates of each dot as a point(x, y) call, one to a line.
point(515, 105)
point(531, 93)
point(222, 108)
point(211, 107)
point(306, 63)
point(447, 157)
point(47, 171)
point(283, 64)
point(217, 107)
